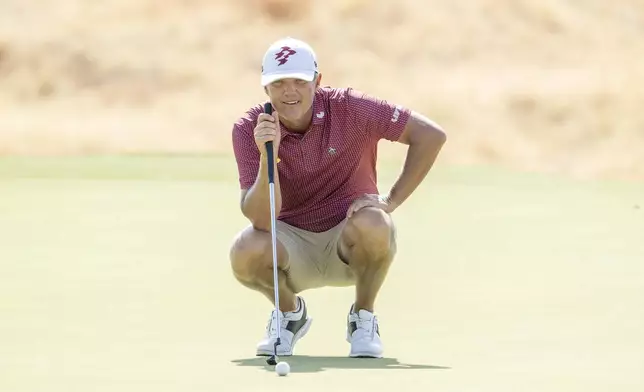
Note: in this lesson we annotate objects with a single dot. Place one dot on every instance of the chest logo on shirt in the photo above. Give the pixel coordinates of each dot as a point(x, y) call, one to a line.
point(320, 115)
point(331, 151)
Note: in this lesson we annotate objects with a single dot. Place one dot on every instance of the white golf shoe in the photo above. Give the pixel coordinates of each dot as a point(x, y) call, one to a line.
point(363, 334)
point(293, 326)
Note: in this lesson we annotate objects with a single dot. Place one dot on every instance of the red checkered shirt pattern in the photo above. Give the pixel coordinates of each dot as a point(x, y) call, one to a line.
point(322, 171)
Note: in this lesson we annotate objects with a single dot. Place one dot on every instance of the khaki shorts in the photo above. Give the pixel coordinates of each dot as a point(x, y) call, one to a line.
point(313, 257)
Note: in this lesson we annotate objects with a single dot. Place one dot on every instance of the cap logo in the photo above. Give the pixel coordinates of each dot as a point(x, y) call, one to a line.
point(282, 56)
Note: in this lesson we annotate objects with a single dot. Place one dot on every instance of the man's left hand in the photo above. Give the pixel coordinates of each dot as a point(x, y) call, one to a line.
point(371, 200)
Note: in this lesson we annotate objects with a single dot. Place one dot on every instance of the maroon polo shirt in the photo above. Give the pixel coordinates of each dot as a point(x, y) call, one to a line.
point(322, 171)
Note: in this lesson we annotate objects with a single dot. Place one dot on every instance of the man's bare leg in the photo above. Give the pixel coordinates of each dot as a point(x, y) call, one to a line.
point(251, 257)
point(252, 262)
point(367, 245)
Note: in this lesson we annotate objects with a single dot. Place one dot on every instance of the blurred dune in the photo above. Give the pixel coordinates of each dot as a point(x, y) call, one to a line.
point(537, 85)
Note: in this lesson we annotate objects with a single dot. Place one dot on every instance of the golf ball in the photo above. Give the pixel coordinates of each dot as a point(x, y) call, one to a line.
point(282, 368)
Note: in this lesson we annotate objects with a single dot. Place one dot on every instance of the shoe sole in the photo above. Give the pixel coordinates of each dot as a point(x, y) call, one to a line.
point(364, 355)
point(298, 335)
point(361, 354)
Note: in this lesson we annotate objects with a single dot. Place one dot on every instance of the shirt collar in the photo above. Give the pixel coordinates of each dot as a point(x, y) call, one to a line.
point(319, 114)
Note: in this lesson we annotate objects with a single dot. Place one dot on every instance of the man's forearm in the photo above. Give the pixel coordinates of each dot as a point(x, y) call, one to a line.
point(421, 156)
point(256, 203)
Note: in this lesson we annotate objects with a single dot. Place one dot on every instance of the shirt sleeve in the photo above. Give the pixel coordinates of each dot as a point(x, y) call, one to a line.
point(381, 119)
point(246, 153)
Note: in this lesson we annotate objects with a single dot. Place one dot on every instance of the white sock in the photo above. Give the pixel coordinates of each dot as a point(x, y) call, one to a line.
point(298, 309)
point(299, 305)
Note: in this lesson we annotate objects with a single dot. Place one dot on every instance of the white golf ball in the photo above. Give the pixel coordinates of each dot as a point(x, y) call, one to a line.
point(282, 368)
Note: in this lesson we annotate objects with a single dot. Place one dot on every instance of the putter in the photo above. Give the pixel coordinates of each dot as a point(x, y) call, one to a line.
point(268, 108)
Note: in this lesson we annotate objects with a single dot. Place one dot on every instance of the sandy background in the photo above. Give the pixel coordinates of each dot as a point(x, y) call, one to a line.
point(542, 85)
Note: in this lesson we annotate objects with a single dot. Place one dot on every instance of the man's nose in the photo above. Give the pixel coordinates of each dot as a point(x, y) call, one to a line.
point(289, 88)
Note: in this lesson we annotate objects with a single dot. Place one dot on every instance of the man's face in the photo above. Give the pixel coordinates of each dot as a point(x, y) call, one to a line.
point(292, 98)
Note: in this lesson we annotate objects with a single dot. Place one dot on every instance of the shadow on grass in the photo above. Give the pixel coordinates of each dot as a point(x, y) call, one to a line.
point(312, 364)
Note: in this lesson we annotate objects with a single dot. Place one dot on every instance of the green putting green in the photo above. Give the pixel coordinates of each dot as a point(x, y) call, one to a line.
point(114, 276)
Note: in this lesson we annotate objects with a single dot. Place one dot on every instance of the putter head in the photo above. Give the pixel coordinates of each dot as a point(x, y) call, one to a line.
point(272, 360)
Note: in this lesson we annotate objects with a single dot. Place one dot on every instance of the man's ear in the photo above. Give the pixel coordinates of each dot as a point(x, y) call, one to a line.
point(266, 90)
point(319, 79)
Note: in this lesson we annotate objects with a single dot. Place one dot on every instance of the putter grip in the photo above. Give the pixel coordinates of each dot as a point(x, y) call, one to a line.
point(268, 108)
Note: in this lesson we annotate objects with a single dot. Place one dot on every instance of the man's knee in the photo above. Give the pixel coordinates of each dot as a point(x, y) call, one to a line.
point(371, 228)
point(251, 254)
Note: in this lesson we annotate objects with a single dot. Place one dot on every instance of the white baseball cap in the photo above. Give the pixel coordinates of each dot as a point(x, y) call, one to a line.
point(289, 58)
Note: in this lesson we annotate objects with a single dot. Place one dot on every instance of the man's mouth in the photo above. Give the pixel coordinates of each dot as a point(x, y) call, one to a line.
point(291, 102)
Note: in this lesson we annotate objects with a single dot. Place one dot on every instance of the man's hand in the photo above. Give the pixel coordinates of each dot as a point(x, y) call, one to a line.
point(371, 200)
point(267, 129)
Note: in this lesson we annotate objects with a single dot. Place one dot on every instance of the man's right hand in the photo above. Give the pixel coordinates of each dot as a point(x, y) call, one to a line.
point(267, 130)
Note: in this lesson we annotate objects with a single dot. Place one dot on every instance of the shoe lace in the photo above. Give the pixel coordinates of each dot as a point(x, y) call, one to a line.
point(271, 327)
point(366, 327)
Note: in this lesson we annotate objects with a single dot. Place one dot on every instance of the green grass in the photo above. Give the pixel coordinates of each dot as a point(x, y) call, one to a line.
point(128, 167)
point(114, 276)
